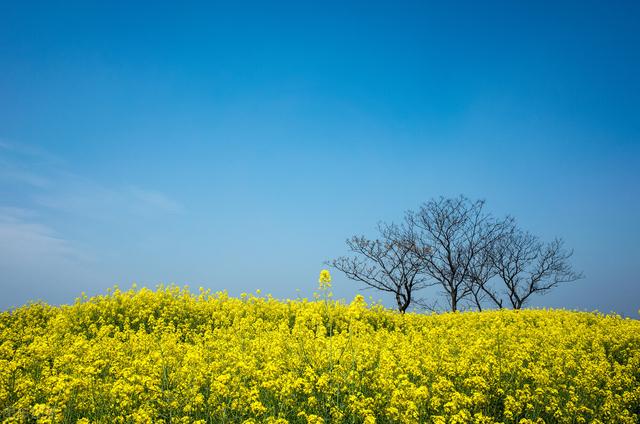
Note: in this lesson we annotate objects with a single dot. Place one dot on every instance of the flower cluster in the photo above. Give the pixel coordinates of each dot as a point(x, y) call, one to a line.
point(324, 280)
point(143, 356)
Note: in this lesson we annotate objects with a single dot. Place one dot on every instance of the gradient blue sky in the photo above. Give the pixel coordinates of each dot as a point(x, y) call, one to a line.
point(235, 146)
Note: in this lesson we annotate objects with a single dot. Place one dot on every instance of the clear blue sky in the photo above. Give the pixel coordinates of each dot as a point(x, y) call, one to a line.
point(235, 146)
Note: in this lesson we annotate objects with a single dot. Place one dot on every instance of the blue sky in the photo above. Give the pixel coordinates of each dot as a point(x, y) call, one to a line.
point(235, 146)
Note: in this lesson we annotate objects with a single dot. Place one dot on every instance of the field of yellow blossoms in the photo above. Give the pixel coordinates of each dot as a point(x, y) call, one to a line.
point(170, 356)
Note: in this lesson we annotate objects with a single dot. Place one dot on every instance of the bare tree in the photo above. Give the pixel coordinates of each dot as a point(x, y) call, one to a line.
point(453, 243)
point(527, 266)
point(388, 263)
point(450, 236)
point(481, 273)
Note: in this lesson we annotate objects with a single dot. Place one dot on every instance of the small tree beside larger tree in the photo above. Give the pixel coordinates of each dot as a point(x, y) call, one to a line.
point(526, 266)
point(388, 263)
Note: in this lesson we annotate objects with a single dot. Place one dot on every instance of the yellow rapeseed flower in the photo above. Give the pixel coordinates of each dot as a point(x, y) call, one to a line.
point(142, 356)
point(325, 279)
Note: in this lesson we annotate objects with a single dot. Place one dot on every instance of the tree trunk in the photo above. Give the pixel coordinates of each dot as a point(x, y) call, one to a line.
point(403, 302)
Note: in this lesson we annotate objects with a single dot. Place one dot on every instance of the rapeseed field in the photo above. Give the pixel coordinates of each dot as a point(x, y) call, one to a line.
point(170, 356)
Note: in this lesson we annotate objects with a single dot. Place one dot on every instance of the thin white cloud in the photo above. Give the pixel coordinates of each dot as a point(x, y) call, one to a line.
point(26, 165)
point(12, 213)
point(17, 234)
point(36, 262)
point(54, 186)
point(28, 244)
point(10, 174)
point(22, 151)
point(156, 200)
point(38, 259)
point(87, 198)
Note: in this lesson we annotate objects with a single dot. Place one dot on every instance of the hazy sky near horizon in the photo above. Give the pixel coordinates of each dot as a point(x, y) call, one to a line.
point(237, 145)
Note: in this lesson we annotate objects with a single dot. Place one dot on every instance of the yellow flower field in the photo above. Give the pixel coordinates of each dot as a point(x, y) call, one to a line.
point(175, 357)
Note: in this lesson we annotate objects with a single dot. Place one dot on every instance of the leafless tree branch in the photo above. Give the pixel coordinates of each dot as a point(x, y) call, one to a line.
point(387, 263)
point(527, 266)
point(451, 236)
